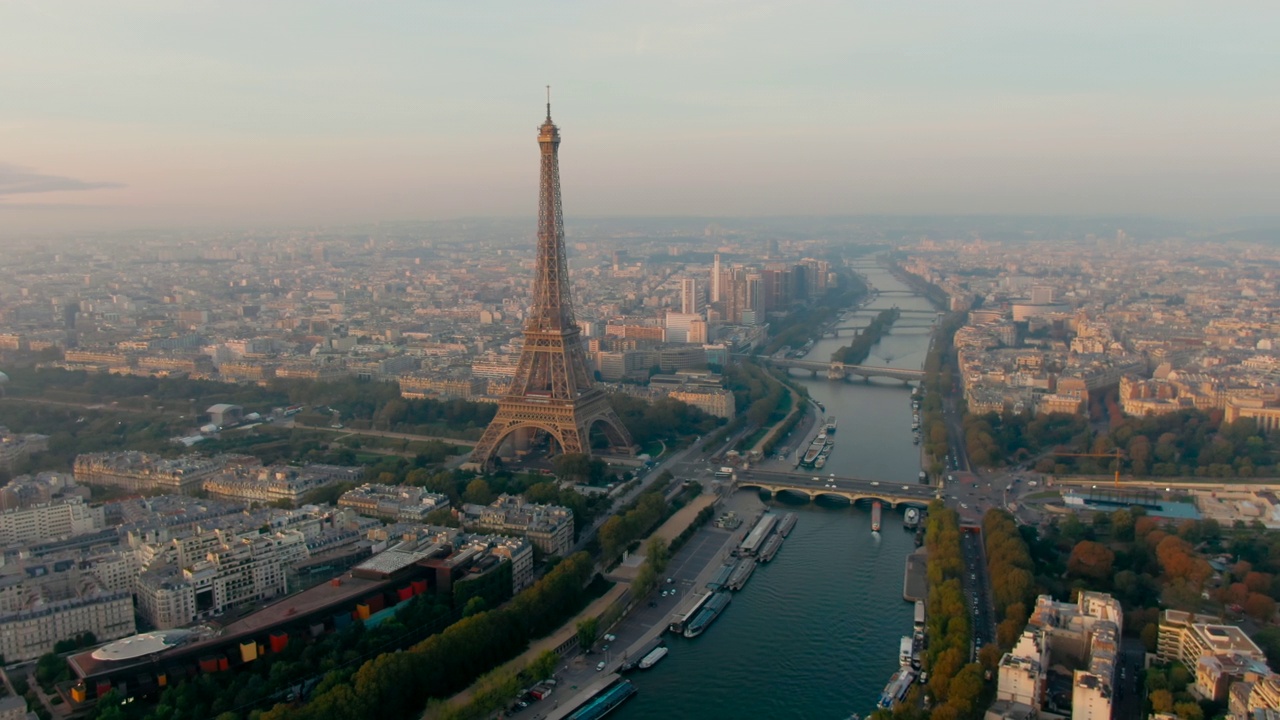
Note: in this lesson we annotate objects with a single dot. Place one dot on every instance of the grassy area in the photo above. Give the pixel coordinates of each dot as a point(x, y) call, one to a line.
point(1042, 495)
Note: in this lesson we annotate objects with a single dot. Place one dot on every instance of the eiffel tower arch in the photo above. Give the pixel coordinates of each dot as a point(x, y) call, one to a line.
point(552, 392)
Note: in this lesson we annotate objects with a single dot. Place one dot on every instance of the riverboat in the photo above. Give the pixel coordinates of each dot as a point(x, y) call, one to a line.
point(652, 658)
point(788, 522)
point(815, 447)
point(708, 614)
point(911, 517)
point(875, 516)
point(897, 688)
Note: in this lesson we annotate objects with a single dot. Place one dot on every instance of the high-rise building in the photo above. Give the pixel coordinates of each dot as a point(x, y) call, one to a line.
point(715, 279)
point(679, 326)
point(690, 297)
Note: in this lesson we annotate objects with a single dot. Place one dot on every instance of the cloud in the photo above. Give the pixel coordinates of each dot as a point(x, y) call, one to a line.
point(17, 180)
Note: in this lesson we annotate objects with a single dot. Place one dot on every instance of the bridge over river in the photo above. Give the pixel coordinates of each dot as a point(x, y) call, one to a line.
point(814, 486)
point(841, 371)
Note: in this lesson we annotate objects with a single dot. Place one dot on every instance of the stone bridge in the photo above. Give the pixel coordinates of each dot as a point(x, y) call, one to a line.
point(889, 494)
point(841, 371)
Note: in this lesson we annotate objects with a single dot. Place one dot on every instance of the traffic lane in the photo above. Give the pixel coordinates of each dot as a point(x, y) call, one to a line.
point(656, 610)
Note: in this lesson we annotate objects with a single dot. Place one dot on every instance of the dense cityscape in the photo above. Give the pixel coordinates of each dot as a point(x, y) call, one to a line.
point(846, 362)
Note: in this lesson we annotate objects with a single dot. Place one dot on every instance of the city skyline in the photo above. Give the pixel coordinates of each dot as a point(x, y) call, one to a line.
point(151, 115)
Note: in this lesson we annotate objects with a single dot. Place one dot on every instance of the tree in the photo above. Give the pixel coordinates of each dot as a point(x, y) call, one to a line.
point(1090, 559)
point(657, 553)
point(1161, 701)
point(587, 630)
point(544, 666)
point(1188, 711)
point(1260, 607)
point(1179, 678)
point(478, 492)
point(474, 606)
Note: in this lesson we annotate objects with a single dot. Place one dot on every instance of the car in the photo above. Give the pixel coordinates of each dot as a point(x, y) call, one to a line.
point(815, 479)
point(670, 580)
point(875, 483)
point(906, 487)
point(600, 666)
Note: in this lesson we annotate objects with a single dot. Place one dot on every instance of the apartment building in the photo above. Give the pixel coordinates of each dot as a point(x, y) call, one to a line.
point(213, 572)
point(31, 632)
point(393, 502)
point(276, 484)
point(548, 527)
point(57, 519)
point(143, 472)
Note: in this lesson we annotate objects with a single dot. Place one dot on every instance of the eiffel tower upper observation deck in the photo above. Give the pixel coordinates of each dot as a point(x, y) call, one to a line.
point(552, 391)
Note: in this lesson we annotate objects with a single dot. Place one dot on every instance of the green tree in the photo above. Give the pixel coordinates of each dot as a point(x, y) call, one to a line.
point(1188, 711)
point(478, 492)
point(657, 553)
point(544, 666)
point(587, 630)
point(474, 606)
point(1161, 701)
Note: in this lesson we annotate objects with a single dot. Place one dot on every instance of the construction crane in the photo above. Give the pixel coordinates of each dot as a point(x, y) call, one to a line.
point(1116, 455)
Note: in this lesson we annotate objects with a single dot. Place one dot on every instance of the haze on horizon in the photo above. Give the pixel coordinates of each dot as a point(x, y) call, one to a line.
point(155, 113)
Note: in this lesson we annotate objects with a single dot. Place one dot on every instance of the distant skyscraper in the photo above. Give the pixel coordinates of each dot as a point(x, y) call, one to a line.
point(715, 280)
point(690, 297)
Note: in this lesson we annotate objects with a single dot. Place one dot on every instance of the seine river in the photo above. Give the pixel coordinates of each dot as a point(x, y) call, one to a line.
point(815, 633)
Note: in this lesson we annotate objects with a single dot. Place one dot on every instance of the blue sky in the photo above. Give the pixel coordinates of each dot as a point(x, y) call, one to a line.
point(155, 113)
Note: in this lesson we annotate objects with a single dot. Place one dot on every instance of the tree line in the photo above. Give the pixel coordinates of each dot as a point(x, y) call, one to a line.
point(666, 419)
point(400, 684)
point(804, 323)
point(860, 348)
point(1012, 574)
point(956, 686)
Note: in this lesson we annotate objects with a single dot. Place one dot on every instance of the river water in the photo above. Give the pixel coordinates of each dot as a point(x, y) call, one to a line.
point(815, 632)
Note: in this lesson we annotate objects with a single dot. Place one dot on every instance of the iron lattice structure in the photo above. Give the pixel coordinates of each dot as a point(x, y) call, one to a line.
point(552, 390)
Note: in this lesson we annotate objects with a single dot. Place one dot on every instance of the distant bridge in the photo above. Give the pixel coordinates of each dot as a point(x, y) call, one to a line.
point(851, 489)
point(841, 371)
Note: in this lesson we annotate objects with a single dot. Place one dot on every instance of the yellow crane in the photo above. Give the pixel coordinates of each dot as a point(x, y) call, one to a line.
point(1116, 455)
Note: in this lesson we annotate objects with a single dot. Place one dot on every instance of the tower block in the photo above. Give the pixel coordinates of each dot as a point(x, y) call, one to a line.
point(552, 390)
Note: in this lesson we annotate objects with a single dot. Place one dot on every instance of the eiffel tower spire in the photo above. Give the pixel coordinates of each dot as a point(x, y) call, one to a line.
point(552, 391)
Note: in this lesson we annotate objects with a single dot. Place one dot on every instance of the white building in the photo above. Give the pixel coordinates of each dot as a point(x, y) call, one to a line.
point(210, 573)
point(58, 519)
point(1022, 671)
point(29, 633)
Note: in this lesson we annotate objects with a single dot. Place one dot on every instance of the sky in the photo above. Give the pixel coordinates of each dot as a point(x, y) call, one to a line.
point(156, 113)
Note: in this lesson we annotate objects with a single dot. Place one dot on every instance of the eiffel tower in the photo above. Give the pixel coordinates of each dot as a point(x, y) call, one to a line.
point(552, 392)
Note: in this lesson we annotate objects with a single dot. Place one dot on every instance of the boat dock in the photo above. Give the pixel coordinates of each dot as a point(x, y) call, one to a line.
point(915, 579)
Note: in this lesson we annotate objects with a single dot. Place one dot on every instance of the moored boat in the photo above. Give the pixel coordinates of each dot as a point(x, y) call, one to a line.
point(875, 516)
point(911, 517)
point(652, 658)
point(708, 614)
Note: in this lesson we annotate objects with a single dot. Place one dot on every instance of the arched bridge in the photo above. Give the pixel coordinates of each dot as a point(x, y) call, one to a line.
point(851, 489)
point(840, 371)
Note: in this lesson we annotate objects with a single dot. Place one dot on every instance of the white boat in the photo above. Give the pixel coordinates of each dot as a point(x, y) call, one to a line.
point(652, 658)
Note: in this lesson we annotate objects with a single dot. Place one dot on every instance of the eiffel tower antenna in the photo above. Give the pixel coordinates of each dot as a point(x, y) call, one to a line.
point(552, 391)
